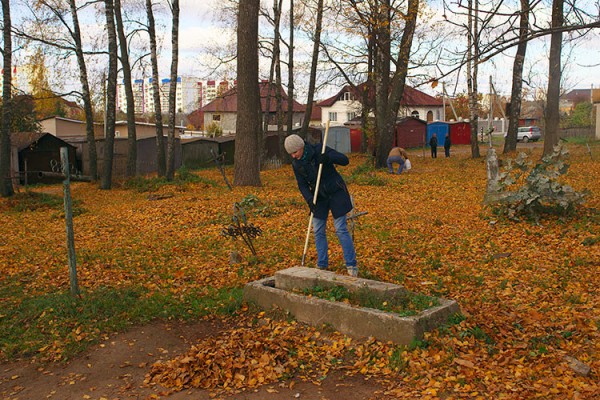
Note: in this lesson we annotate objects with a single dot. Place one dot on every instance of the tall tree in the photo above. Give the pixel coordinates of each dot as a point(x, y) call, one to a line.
point(313, 67)
point(390, 87)
point(173, 90)
point(127, 83)
point(472, 68)
point(47, 103)
point(111, 96)
point(160, 140)
point(6, 185)
point(247, 156)
point(290, 102)
point(554, 74)
point(510, 144)
point(85, 92)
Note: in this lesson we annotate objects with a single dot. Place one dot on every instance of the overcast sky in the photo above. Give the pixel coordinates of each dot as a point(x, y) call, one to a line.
point(200, 28)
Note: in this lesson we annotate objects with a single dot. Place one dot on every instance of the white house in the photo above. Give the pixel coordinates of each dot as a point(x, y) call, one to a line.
point(346, 105)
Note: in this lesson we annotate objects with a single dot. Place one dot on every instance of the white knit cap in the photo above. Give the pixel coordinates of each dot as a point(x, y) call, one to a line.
point(293, 143)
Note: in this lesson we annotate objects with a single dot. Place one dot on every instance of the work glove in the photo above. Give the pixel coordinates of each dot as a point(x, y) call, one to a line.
point(312, 207)
point(323, 158)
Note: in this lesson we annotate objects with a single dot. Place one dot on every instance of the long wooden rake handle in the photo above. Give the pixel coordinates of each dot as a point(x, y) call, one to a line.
point(315, 195)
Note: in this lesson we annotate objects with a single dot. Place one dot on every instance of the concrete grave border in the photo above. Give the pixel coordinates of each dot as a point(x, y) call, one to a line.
point(274, 292)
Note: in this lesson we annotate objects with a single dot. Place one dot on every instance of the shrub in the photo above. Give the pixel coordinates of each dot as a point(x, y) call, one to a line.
point(214, 129)
point(538, 191)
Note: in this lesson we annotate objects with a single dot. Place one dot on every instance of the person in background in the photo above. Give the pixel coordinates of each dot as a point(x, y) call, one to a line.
point(332, 196)
point(433, 144)
point(396, 155)
point(447, 144)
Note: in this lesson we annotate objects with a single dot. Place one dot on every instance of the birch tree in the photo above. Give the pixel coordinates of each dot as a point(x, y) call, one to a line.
point(160, 141)
point(173, 90)
point(127, 83)
point(111, 96)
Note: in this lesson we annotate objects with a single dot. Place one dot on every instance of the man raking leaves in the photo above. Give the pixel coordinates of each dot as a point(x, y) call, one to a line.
point(324, 190)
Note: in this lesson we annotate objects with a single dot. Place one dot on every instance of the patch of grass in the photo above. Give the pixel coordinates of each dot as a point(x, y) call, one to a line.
point(61, 326)
point(405, 304)
point(32, 201)
point(589, 241)
point(396, 360)
point(365, 175)
point(183, 176)
point(29, 201)
point(580, 140)
point(478, 334)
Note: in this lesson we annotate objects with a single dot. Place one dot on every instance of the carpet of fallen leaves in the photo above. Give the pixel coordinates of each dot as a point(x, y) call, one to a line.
point(529, 293)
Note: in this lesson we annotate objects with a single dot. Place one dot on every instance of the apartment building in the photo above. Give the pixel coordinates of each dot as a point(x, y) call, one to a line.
point(191, 94)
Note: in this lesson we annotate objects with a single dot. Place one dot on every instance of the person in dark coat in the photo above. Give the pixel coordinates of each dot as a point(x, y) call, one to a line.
point(447, 144)
point(433, 144)
point(332, 196)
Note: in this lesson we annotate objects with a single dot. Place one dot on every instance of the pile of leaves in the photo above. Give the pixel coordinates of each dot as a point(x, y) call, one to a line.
point(257, 353)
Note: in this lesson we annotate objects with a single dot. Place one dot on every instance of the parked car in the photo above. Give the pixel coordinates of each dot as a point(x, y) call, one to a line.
point(527, 133)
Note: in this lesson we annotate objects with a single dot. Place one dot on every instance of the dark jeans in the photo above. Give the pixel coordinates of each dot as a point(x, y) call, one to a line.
point(447, 151)
point(434, 152)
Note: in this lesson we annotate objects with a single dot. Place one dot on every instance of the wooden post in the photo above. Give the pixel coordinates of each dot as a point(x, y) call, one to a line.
point(64, 158)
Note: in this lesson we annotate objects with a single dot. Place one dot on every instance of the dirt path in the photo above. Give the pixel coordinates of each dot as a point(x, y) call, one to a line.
point(115, 369)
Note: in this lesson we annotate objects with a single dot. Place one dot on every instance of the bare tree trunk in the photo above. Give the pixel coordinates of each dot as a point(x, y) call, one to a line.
point(382, 85)
point(472, 68)
point(313, 68)
point(290, 108)
point(554, 74)
point(6, 185)
point(247, 156)
point(278, 97)
point(111, 96)
point(131, 129)
point(366, 103)
point(85, 89)
point(160, 140)
point(389, 91)
point(510, 144)
point(173, 90)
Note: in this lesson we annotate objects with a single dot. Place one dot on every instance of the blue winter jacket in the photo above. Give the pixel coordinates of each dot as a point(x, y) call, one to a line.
point(333, 194)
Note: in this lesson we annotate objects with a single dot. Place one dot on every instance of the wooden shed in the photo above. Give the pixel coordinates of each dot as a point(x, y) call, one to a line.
point(38, 153)
point(440, 129)
point(196, 152)
point(146, 155)
point(410, 132)
point(338, 138)
point(460, 133)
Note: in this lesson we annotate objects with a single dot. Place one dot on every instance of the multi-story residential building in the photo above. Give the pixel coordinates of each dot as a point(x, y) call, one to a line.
point(191, 94)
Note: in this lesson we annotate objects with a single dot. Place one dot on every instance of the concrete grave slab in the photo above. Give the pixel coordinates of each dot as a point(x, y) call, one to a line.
point(277, 292)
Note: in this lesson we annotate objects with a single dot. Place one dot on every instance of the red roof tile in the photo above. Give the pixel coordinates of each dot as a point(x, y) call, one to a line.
point(411, 97)
point(227, 102)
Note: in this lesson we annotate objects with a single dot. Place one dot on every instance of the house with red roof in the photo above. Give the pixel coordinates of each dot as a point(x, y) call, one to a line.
point(346, 105)
point(222, 111)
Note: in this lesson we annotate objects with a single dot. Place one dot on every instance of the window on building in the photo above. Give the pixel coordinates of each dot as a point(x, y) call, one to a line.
point(333, 116)
point(347, 96)
point(414, 114)
point(216, 117)
point(429, 116)
point(350, 116)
